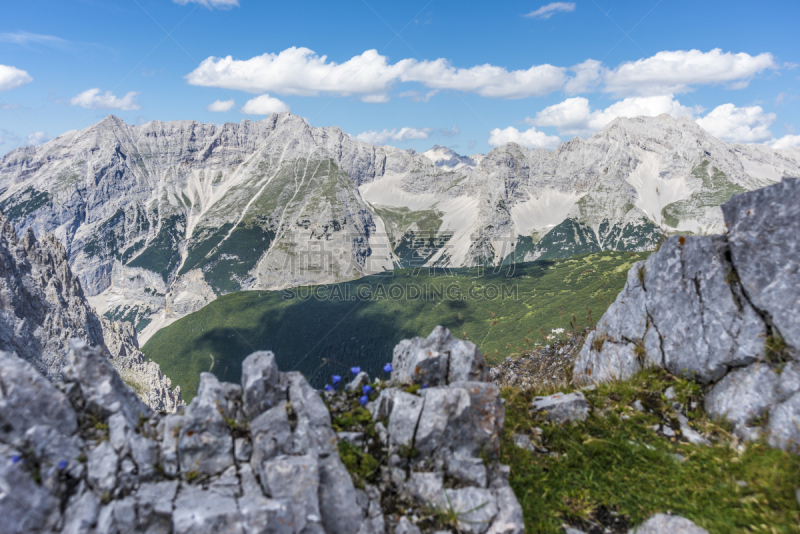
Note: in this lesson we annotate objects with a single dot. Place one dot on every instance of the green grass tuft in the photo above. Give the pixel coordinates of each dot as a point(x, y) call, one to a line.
point(614, 464)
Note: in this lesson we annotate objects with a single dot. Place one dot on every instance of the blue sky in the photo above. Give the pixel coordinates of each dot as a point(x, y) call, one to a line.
point(469, 75)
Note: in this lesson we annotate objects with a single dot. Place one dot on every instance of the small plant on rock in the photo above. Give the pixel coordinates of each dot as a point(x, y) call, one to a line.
point(776, 349)
point(598, 341)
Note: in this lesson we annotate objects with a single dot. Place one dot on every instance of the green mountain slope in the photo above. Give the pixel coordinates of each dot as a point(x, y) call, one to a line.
point(324, 330)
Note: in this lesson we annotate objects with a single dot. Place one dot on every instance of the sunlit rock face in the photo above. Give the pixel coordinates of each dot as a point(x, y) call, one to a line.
point(721, 310)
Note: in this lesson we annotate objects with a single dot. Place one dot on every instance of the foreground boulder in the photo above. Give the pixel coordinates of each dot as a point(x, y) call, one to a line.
point(87, 455)
point(722, 310)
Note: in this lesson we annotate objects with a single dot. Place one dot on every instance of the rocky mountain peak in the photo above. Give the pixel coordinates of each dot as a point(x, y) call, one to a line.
point(154, 217)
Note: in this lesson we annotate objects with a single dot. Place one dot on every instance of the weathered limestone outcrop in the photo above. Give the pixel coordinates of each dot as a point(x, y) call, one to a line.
point(86, 454)
point(43, 306)
point(723, 310)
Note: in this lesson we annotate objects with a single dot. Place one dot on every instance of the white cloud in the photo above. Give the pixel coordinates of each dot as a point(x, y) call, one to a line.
point(588, 76)
point(38, 138)
point(530, 138)
point(573, 116)
point(26, 38)
point(375, 99)
point(787, 141)
point(738, 125)
point(486, 80)
point(264, 105)
point(221, 106)
point(219, 4)
point(12, 77)
point(398, 136)
point(300, 71)
point(416, 96)
point(545, 12)
point(677, 71)
point(92, 99)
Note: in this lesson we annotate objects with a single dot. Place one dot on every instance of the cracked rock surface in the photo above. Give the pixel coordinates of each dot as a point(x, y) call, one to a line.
point(86, 454)
point(722, 310)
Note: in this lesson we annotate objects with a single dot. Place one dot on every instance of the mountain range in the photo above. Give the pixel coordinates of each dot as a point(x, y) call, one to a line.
point(160, 219)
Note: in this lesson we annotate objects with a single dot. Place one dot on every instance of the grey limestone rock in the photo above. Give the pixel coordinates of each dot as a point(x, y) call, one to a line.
point(668, 524)
point(205, 445)
point(24, 505)
point(267, 463)
point(782, 427)
point(261, 387)
point(199, 512)
point(103, 390)
point(742, 396)
point(560, 408)
point(706, 307)
point(103, 467)
point(295, 479)
point(523, 442)
point(404, 526)
point(438, 360)
point(763, 226)
point(28, 399)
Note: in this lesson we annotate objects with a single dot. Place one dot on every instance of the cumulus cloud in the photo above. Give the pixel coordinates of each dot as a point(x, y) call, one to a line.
point(787, 141)
point(300, 71)
point(12, 77)
point(38, 138)
point(219, 4)
point(398, 136)
point(486, 80)
point(92, 99)
point(221, 106)
point(531, 138)
point(264, 105)
point(677, 71)
point(545, 12)
point(573, 116)
point(738, 125)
